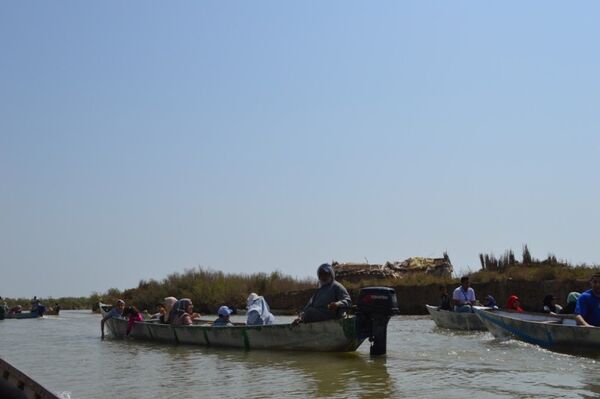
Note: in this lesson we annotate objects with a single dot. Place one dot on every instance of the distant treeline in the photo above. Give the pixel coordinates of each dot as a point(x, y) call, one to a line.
point(210, 289)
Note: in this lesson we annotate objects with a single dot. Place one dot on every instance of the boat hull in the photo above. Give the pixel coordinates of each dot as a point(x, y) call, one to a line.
point(26, 315)
point(455, 320)
point(327, 336)
point(550, 332)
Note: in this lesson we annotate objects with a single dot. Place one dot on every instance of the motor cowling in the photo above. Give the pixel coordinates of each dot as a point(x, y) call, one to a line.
point(375, 307)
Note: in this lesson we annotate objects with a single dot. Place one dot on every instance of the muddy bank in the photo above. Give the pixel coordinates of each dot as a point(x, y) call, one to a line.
point(412, 299)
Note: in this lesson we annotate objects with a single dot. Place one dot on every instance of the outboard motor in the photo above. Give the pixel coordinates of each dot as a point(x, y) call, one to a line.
point(375, 307)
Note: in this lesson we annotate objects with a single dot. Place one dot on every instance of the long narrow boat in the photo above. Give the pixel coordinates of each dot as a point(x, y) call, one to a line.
point(551, 332)
point(24, 315)
point(455, 320)
point(14, 384)
point(375, 307)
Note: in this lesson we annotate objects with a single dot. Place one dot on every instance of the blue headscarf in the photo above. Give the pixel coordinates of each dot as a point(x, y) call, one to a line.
point(258, 304)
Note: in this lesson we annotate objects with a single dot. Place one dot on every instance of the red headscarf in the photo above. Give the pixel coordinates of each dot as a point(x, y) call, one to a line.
point(511, 305)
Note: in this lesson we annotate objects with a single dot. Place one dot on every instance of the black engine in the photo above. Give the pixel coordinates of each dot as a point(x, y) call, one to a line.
point(375, 307)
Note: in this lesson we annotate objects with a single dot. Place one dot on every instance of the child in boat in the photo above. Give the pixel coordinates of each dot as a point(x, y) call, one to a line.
point(550, 305)
point(223, 320)
point(132, 315)
point(514, 304)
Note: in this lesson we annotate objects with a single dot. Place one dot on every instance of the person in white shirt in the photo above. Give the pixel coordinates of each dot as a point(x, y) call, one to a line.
point(463, 296)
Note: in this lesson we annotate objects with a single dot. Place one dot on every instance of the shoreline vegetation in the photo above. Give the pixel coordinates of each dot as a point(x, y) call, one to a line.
point(210, 289)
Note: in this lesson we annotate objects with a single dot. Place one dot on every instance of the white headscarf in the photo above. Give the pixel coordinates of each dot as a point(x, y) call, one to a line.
point(256, 303)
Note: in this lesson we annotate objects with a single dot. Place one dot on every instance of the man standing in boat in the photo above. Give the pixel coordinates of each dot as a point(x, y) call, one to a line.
point(587, 309)
point(463, 296)
point(330, 301)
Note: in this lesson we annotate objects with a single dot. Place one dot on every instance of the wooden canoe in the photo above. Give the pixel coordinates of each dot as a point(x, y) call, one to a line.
point(455, 320)
point(24, 315)
point(326, 336)
point(551, 332)
point(14, 384)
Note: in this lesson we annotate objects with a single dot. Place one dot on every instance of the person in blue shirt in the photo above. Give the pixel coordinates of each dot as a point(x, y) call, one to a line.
point(116, 312)
point(223, 320)
point(587, 310)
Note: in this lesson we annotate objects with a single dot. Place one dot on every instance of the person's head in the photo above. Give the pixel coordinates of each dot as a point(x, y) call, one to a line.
point(120, 305)
point(490, 301)
point(224, 312)
point(160, 308)
point(325, 273)
point(185, 305)
point(464, 282)
point(573, 297)
point(549, 300)
point(130, 310)
point(169, 302)
point(251, 298)
point(595, 282)
point(513, 302)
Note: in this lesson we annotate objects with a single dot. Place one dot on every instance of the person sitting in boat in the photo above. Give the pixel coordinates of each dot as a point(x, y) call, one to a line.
point(116, 313)
point(490, 302)
point(330, 301)
point(257, 311)
point(16, 310)
point(445, 303)
point(56, 308)
point(160, 312)
point(184, 309)
point(170, 303)
point(550, 305)
point(223, 320)
point(513, 303)
point(463, 296)
point(588, 305)
point(133, 315)
point(571, 303)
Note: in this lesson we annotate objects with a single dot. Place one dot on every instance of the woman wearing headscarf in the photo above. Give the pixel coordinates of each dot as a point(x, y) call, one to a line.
point(183, 313)
point(514, 304)
point(571, 303)
point(169, 303)
point(550, 305)
point(257, 311)
point(330, 301)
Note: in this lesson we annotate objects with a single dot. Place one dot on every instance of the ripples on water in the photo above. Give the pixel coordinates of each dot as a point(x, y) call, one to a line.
point(66, 355)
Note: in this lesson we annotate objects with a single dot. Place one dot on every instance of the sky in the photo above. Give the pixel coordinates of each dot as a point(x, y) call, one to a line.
point(138, 139)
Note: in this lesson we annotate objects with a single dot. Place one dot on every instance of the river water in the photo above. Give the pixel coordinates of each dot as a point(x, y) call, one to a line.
point(66, 355)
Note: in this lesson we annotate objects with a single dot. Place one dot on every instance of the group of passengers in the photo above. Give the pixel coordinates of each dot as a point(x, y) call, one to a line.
point(584, 306)
point(329, 301)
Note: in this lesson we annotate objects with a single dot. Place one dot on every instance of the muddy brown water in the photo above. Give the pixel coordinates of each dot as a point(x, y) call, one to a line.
point(66, 355)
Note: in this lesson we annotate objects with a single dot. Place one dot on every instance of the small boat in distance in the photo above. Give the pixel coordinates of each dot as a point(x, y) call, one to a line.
point(555, 332)
point(375, 307)
point(456, 320)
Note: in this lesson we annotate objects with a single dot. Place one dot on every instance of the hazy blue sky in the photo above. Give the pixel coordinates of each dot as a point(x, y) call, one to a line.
point(139, 138)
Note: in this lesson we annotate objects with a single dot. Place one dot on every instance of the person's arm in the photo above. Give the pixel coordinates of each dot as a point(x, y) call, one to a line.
point(342, 299)
point(102, 325)
point(581, 321)
point(186, 320)
point(473, 302)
